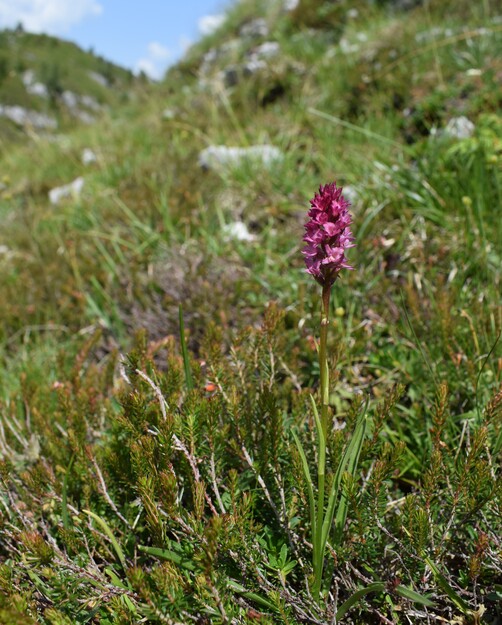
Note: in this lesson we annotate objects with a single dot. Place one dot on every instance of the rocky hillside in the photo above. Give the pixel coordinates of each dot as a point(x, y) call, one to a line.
point(48, 85)
point(162, 457)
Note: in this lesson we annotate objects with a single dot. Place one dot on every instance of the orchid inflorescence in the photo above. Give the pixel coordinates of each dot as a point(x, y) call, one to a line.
point(327, 234)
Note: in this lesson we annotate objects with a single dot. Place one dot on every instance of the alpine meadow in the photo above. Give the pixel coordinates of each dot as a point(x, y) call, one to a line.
point(250, 323)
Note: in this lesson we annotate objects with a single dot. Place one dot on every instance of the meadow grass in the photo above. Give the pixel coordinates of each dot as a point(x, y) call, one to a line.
point(149, 472)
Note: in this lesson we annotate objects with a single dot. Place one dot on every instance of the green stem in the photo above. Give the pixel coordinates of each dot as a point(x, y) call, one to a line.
point(322, 431)
point(323, 359)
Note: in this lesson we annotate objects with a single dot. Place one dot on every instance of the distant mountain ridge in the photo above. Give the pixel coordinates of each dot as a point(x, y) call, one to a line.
point(48, 84)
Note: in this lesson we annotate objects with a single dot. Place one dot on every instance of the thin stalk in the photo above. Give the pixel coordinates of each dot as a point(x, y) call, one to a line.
point(322, 430)
point(323, 358)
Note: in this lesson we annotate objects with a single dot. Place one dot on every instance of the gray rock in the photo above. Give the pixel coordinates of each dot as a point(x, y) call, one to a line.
point(238, 231)
point(459, 128)
point(88, 156)
point(254, 29)
point(351, 193)
point(348, 48)
point(254, 65)
point(99, 78)
point(84, 116)
point(25, 117)
point(32, 86)
point(73, 189)
point(256, 62)
point(70, 99)
point(267, 50)
point(229, 50)
point(39, 89)
point(90, 103)
point(218, 157)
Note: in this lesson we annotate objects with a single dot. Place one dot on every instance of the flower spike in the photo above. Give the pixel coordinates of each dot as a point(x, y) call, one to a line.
point(327, 235)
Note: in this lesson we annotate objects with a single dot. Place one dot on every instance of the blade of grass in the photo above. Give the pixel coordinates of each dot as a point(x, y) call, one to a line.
point(310, 486)
point(106, 529)
point(64, 496)
point(417, 342)
point(318, 546)
point(349, 458)
point(359, 594)
point(353, 460)
point(167, 554)
point(410, 594)
point(184, 353)
point(251, 595)
point(446, 588)
point(363, 131)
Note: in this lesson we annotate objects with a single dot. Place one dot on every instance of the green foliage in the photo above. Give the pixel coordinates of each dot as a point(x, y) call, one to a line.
point(149, 473)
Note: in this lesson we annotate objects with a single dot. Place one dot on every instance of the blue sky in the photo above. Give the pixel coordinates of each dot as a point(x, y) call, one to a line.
point(139, 34)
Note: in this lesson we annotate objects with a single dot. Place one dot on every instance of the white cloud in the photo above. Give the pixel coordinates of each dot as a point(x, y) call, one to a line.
point(158, 52)
point(50, 16)
point(185, 43)
point(155, 62)
point(210, 23)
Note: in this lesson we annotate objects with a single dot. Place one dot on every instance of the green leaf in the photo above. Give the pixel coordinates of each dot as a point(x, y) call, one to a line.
point(106, 528)
point(310, 486)
point(64, 496)
point(167, 554)
point(359, 594)
point(446, 588)
point(348, 462)
point(233, 585)
point(184, 353)
point(410, 594)
point(116, 581)
point(353, 453)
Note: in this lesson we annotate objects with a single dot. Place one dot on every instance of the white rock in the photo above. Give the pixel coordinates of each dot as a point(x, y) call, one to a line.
point(70, 99)
point(267, 49)
point(238, 231)
point(74, 189)
point(28, 77)
point(254, 65)
point(24, 117)
point(222, 156)
point(351, 193)
point(209, 24)
point(168, 114)
point(348, 48)
point(38, 88)
point(99, 78)
point(227, 51)
point(88, 156)
point(290, 5)
point(459, 128)
point(90, 103)
point(255, 28)
point(84, 116)
point(32, 86)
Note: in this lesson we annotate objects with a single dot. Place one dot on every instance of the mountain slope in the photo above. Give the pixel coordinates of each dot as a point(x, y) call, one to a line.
point(48, 84)
point(159, 333)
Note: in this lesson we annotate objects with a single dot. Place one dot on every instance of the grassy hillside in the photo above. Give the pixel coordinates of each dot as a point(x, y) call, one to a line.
point(159, 333)
point(57, 80)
